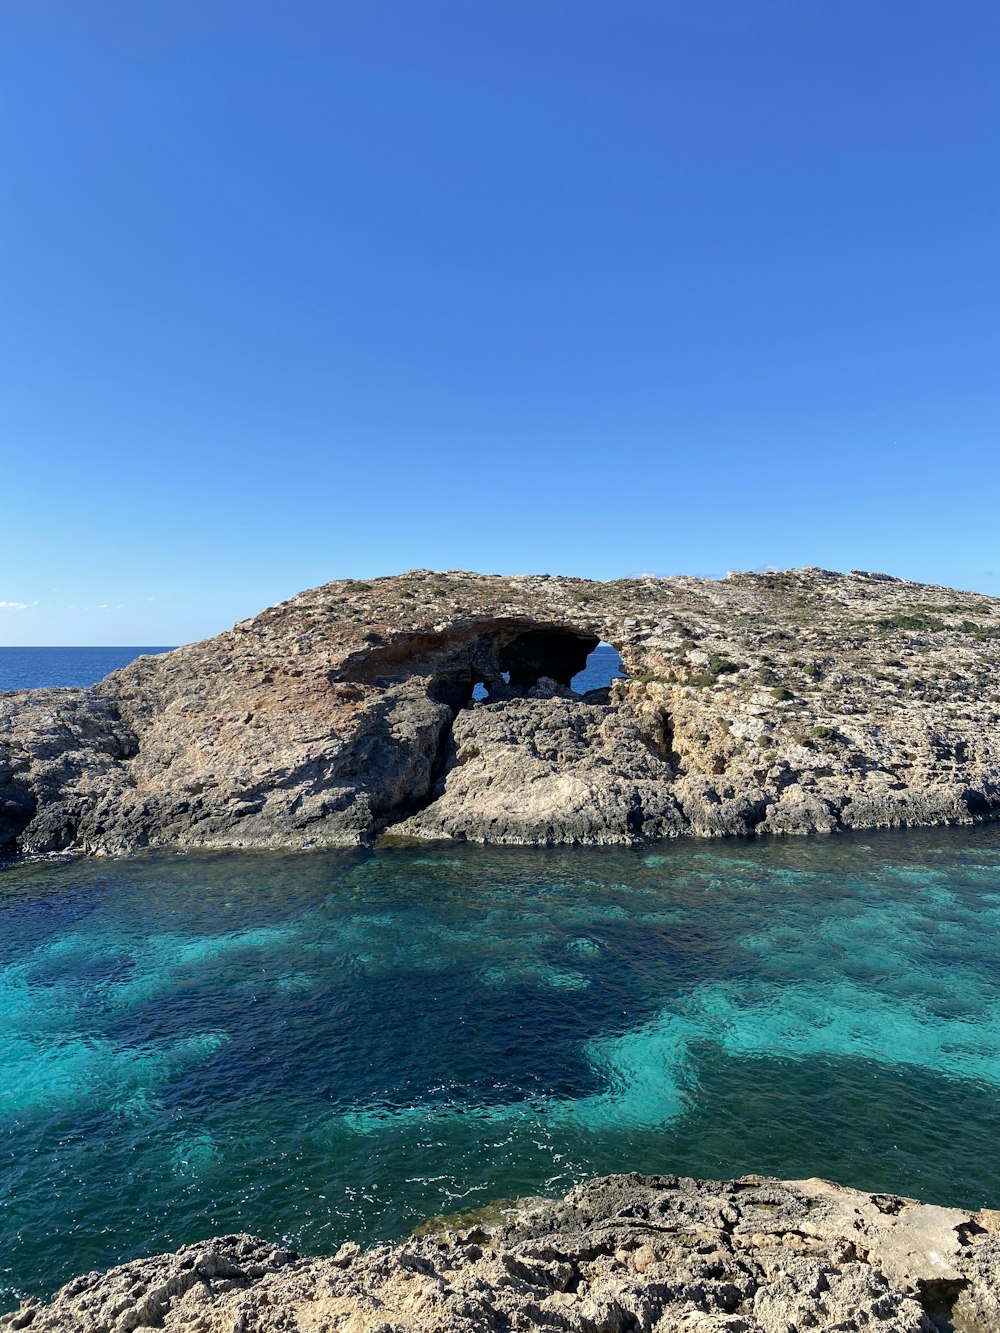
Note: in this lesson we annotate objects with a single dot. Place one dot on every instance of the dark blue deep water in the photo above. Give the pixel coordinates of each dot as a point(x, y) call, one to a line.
point(318, 1046)
point(33, 668)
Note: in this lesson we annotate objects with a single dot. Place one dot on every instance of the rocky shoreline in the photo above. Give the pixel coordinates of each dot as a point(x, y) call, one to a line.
point(796, 702)
point(622, 1254)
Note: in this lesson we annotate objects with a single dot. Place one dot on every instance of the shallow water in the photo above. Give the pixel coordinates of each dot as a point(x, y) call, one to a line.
point(318, 1046)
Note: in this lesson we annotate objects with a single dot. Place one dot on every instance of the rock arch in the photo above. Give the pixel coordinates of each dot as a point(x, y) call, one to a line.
point(501, 653)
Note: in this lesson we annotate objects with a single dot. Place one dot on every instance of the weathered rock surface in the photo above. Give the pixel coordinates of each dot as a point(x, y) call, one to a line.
point(625, 1254)
point(762, 703)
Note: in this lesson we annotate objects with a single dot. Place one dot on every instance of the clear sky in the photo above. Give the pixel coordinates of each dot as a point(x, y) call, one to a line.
point(292, 291)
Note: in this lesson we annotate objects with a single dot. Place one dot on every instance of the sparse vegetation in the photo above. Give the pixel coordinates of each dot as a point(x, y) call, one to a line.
point(721, 666)
point(980, 632)
point(916, 620)
point(709, 675)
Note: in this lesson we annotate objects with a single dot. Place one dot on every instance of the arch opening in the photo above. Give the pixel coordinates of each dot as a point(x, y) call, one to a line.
point(505, 665)
point(554, 654)
point(603, 665)
point(480, 692)
point(489, 661)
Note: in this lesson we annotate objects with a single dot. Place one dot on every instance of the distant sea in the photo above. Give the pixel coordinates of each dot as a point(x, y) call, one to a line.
point(34, 668)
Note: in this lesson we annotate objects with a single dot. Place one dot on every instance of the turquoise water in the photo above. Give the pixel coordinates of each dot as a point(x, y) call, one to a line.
point(318, 1046)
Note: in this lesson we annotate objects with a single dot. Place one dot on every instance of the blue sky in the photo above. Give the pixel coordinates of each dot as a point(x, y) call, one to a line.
point(291, 292)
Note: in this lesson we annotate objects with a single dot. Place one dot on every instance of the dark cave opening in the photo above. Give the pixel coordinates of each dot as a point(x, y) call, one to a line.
point(554, 653)
point(492, 660)
point(508, 660)
point(601, 666)
point(574, 661)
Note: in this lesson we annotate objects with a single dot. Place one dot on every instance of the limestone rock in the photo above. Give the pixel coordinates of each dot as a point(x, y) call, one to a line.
point(549, 770)
point(787, 703)
point(624, 1254)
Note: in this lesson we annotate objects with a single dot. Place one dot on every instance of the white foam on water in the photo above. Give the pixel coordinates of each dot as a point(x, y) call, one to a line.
point(194, 1154)
point(583, 944)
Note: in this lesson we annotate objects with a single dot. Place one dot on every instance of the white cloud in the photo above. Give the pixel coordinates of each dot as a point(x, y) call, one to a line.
point(14, 606)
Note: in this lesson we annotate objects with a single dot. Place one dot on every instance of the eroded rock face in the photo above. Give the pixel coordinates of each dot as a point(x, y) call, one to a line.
point(549, 768)
point(626, 1254)
point(778, 703)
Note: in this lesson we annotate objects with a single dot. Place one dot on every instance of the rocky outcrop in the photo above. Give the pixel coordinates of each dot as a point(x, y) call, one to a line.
point(783, 703)
point(549, 767)
point(626, 1254)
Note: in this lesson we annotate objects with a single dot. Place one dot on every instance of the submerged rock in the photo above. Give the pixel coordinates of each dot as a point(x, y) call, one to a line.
point(624, 1254)
point(786, 703)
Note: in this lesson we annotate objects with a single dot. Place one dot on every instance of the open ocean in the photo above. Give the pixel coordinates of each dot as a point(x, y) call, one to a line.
point(316, 1046)
point(33, 668)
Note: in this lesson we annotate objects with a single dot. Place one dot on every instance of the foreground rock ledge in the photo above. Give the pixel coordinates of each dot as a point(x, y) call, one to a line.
point(624, 1254)
point(795, 702)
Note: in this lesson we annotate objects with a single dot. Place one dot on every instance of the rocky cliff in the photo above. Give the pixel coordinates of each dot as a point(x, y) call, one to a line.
point(626, 1254)
point(762, 703)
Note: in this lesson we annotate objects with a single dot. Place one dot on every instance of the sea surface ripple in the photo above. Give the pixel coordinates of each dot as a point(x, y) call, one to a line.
point(317, 1046)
